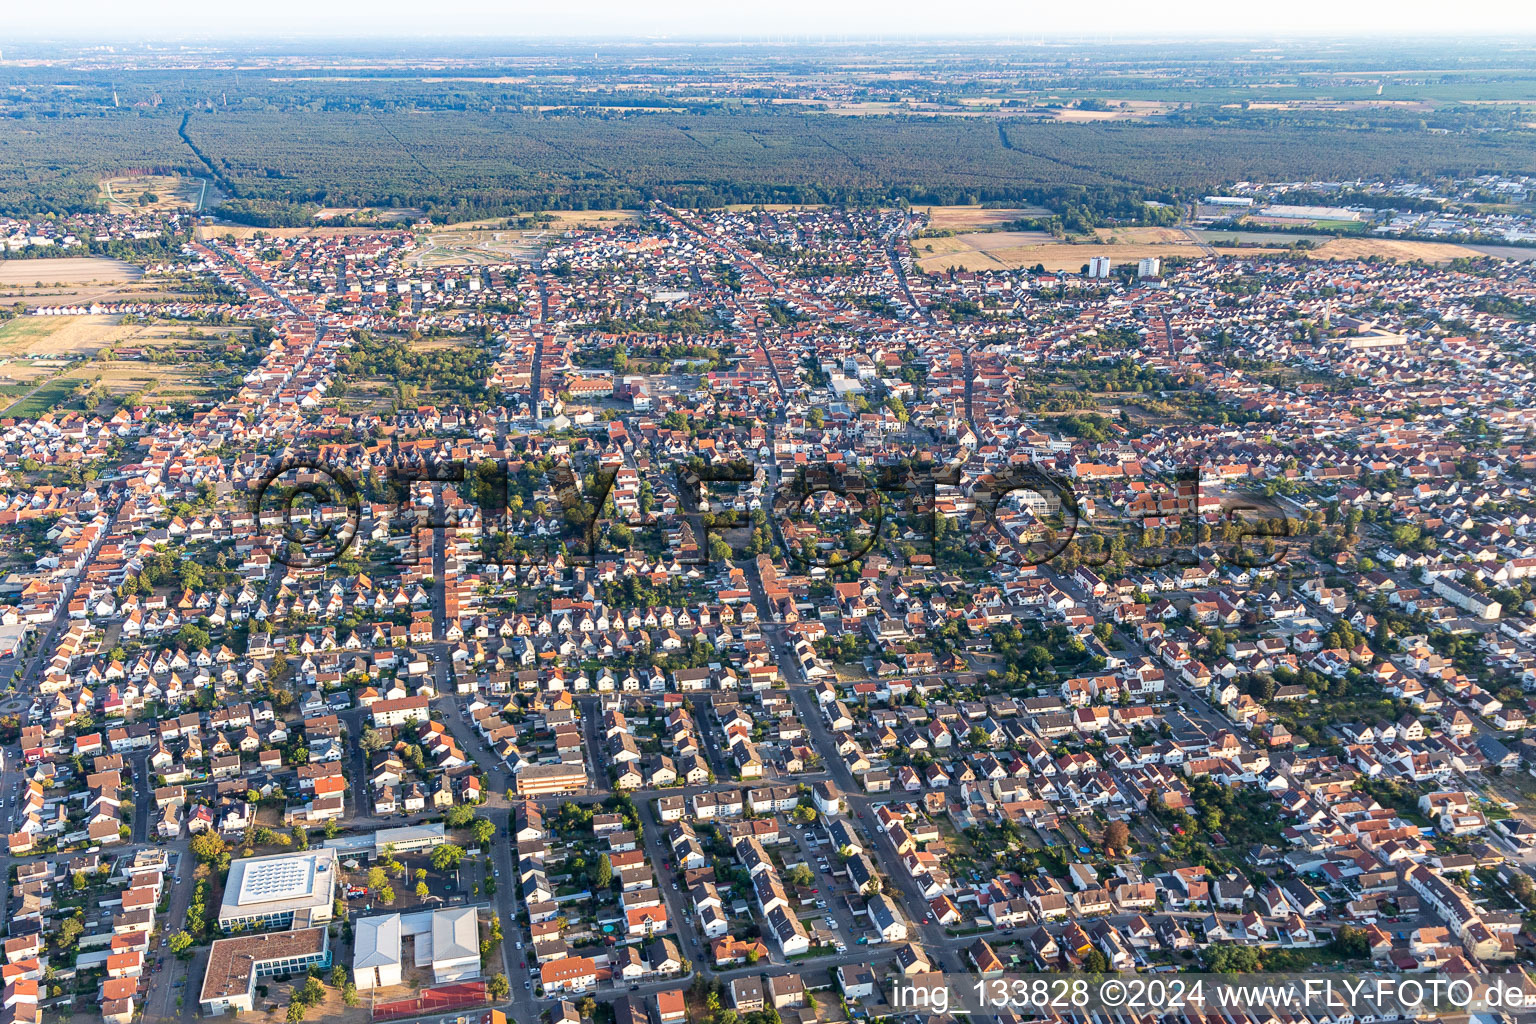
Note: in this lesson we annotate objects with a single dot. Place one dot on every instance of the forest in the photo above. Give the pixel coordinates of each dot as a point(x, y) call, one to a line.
point(462, 147)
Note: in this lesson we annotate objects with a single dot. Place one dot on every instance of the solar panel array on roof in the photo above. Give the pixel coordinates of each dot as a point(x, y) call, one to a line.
point(276, 880)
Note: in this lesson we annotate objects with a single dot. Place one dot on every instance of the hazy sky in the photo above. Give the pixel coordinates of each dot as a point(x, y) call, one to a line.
point(171, 19)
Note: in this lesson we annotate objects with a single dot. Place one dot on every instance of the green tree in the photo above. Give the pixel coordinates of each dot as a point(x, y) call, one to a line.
point(68, 932)
point(1351, 943)
point(602, 873)
point(180, 942)
point(447, 857)
point(372, 741)
point(208, 847)
point(311, 992)
point(497, 987)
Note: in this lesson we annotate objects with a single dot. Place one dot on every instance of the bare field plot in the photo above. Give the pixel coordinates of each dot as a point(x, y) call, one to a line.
point(1064, 256)
point(984, 243)
point(1139, 236)
point(1392, 249)
point(56, 335)
point(1009, 250)
point(978, 218)
point(67, 270)
point(1123, 110)
point(82, 336)
point(385, 217)
point(568, 219)
point(64, 281)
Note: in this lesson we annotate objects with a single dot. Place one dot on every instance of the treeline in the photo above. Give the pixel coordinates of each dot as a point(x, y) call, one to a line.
point(277, 166)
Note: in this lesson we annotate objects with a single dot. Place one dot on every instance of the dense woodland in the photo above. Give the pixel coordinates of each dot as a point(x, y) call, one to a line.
point(282, 146)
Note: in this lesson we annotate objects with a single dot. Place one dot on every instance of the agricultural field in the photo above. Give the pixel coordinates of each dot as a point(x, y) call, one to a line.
point(977, 218)
point(567, 220)
point(1119, 110)
point(67, 270)
point(100, 386)
point(74, 337)
point(54, 335)
point(1007, 250)
point(64, 281)
point(1142, 236)
point(1391, 249)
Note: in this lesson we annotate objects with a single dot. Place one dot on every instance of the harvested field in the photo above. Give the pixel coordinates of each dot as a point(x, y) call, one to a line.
point(67, 270)
point(567, 219)
point(65, 281)
point(476, 247)
point(978, 218)
point(977, 250)
point(55, 335)
point(81, 336)
point(1053, 255)
point(1392, 249)
point(1000, 250)
point(1142, 236)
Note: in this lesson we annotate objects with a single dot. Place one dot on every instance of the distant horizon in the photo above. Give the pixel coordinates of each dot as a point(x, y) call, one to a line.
point(421, 40)
point(98, 22)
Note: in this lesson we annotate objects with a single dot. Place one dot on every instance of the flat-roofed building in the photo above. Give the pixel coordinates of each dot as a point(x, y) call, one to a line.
point(540, 779)
point(285, 890)
point(235, 964)
point(402, 839)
